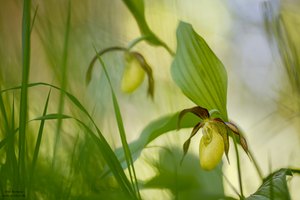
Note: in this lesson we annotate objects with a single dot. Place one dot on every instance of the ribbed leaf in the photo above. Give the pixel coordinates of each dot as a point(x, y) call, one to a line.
point(198, 72)
point(274, 187)
point(155, 129)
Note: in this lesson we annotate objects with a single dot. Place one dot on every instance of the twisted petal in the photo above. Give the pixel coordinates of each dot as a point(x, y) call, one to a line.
point(235, 130)
point(202, 113)
point(224, 133)
point(186, 144)
point(146, 67)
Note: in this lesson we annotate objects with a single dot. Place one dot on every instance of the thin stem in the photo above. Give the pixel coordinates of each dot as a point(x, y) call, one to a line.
point(128, 155)
point(168, 49)
point(136, 41)
point(258, 170)
point(34, 17)
point(238, 166)
point(99, 54)
point(64, 66)
point(145, 38)
point(230, 184)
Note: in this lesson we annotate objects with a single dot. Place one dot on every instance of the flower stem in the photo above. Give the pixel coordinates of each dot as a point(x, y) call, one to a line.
point(99, 54)
point(136, 41)
point(258, 169)
point(238, 166)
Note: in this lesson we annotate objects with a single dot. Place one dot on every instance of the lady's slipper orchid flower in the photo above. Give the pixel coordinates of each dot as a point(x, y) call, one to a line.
point(134, 72)
point(135, 69)
point(214, 141)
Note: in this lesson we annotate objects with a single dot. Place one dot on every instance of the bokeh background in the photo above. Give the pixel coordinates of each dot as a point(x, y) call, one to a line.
point(261, 96)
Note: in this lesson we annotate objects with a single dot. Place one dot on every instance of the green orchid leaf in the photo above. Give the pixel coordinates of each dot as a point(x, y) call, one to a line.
point(155, 129)
point(198, 72)
point(274, 187)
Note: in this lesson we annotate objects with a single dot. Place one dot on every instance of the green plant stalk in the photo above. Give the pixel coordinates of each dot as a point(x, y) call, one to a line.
point(37, 145)
point(24, 93)
point(8, 130)
point(137, 10)
point(34, 17)
point(136, 41)
point(238, 166)
point(100, 53)
point(4, 115)
point(72, 171)
point(11, 147)
point(258, 170)
point(230, 185)
point(125, 145)
point(63, 82)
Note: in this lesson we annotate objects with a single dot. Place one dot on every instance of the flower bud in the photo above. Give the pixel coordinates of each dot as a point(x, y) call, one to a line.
point(133, 74)
point(211, 147)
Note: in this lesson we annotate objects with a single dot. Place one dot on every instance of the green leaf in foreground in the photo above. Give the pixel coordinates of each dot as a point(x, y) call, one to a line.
point(274, 187)
point(104, 147)
point(198, 72)
point(154, 130)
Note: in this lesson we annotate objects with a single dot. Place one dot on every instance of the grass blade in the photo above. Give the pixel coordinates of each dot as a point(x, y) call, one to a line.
point(39, 139)
point(104, 149)
point(109, 155)
point(63, 81)
point(37, 147)
point(24, 93)
point(9, 169)
point(4, 115)
point(122, 132)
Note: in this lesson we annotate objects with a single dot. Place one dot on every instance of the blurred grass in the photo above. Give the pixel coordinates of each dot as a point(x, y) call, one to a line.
point(283, 35)
point(64, 77)
point(26, 21)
